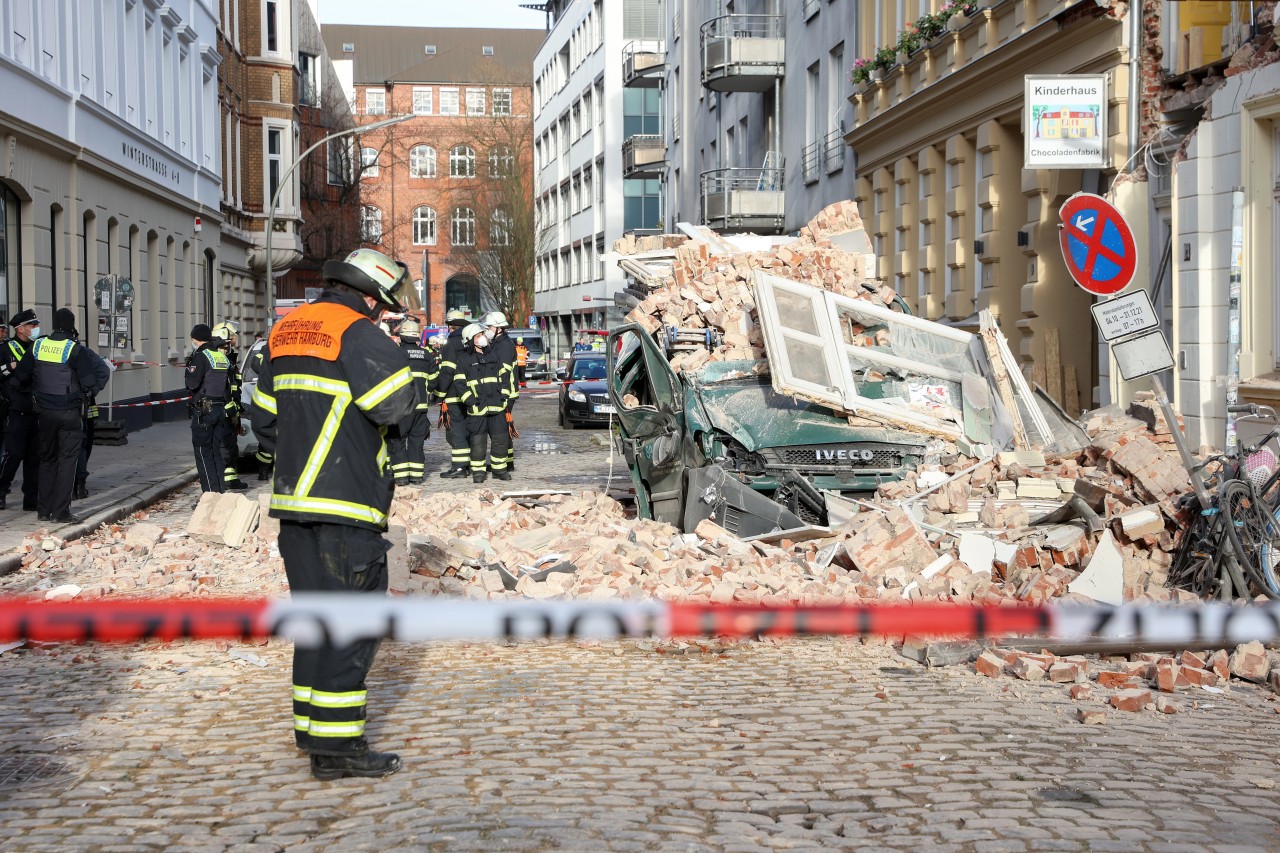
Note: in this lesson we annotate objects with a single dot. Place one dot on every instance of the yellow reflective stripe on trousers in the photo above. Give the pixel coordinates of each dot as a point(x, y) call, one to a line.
point(385, 389)
point(264, 401)
point(349, 699)
point(301, 694)
point(300, 723)
point(326, 506)
point(320, 728)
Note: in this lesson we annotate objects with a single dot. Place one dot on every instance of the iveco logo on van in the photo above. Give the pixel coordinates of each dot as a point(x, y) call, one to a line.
point(843, 455)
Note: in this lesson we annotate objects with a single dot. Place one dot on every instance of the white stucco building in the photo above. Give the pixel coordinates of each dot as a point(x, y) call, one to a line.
point(108, 164)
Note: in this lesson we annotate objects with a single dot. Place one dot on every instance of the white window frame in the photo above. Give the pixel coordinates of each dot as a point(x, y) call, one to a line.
point(417, 160)
point(462, 154)
point(374, 96)
point(284, 14)
point(477, 100)
point(371, 224)
point(309, 78)
point(429, 222)
point(288, 197)
point(504, 98)
point(423, 100)
point(500, 225)
point(369, 166)
point(502, 162)
point(462, 218)
point(450, 105)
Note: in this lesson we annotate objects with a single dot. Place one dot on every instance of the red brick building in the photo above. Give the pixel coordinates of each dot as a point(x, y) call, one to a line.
point(449, 190)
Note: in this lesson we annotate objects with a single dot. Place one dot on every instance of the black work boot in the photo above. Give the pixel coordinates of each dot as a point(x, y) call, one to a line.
point(372, 765)
point(237, 485)
point(478, 477)
point(81, 491)
point(502, 475)
point(455, 472)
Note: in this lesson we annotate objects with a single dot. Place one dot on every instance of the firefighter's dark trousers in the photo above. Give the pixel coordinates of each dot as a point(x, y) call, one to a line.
point(207, 424)
point(61, 434)
point(329, 682)
point(408, 457)
point(489, 441)
point(456, 435)
point(21, 449)
point(230, 450)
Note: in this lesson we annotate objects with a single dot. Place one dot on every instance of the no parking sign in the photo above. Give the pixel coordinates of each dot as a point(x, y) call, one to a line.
point(1097, 244)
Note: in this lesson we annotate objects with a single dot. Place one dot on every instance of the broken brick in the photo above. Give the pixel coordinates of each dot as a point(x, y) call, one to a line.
point(1133, 699)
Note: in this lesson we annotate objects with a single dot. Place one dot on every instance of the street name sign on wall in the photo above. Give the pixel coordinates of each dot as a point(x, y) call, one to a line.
point(1097, 244)
point(1125, 315)
point(1064, 121)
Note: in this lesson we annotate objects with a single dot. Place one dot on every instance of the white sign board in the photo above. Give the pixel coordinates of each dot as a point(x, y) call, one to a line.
point(1064, 121)
point(1125, 315)
point(1142, 355)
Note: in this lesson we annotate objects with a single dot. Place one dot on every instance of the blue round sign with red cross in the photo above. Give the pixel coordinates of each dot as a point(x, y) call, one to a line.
point(1097, 244)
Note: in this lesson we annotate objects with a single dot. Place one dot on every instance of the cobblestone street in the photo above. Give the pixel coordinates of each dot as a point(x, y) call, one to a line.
point(821, 744)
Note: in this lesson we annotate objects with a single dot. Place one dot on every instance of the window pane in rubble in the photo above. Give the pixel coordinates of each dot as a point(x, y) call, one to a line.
point(874, 380)
point(808, 364)
point(796, 312)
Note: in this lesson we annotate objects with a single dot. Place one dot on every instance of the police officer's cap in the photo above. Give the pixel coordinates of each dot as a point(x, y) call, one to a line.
point(201, 332)
point(22, 318)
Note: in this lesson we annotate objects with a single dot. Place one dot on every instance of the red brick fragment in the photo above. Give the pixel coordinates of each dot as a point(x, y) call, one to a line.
point(989, 664)
point(1133, 699)
point(1080, 692)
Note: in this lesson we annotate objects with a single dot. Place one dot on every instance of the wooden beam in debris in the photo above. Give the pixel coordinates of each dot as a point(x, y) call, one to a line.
point(1004, 386)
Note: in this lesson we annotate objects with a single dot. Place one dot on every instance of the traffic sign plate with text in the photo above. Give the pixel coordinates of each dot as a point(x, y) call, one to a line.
point(1125, 315)
point(1097, 244)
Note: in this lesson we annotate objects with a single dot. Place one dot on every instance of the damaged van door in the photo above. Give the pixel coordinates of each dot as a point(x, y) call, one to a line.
point(649, 403)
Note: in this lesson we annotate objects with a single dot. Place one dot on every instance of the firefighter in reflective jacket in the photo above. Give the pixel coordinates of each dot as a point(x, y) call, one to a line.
point(501, 345)
point(452, 417)
point(408, 459)
point(330, 386)
point(483, 391)
point(229, 334)
point(207, 380)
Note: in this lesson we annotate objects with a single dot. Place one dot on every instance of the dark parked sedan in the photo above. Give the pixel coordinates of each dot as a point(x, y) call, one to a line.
point(584, 394)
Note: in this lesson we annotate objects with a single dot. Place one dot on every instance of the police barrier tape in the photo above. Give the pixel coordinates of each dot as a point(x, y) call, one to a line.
point(318, 619)
point(149, 403)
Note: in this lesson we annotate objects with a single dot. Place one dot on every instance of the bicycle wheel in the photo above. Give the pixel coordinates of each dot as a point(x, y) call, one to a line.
point(1255, 535)
point(1195, 564)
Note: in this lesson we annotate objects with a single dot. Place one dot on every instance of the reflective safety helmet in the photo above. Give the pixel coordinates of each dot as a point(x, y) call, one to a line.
point(456, 317)
point(471, 331)
point(227, 330)
point(519, 340)
point(494, 318)
point(438, 341)
point(370, 272)
point(410, 328)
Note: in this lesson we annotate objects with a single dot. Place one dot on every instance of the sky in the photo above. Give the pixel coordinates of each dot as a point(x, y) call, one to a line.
point(432, 13)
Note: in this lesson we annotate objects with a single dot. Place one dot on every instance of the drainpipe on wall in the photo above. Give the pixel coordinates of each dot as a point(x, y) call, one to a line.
point(1233, 314)
point(1135, 78)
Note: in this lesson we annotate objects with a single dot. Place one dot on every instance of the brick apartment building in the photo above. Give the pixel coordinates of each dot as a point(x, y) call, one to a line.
point(277, 94)
point(448, 192)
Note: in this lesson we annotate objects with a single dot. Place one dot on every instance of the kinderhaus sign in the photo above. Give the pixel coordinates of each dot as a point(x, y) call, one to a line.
point(1065, 121)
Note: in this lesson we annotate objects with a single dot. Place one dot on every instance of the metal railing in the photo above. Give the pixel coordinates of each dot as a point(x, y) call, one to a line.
point(833, 150)
point(644, 154)
point(747, 199)
point(742, 180)
point(743, 27)
point(811, 158)
point(749, 49)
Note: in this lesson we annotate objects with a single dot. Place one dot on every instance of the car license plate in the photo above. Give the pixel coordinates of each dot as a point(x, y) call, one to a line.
point(604, 410)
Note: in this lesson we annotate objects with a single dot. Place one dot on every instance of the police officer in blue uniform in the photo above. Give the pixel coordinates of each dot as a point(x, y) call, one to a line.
point(208, 381)
point(63, 375)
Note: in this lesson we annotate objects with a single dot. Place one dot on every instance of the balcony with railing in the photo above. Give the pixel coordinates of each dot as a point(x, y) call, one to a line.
point(644, 156)
point(833, 150)
point(743, 53)
point(744, 200)
point(811, 160)
point(643, 64)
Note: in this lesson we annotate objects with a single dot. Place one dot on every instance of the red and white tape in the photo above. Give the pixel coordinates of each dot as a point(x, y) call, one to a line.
point(317, 619)
point(147, 403)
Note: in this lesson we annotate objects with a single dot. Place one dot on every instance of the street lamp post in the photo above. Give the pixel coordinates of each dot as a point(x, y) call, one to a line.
point(284, 179)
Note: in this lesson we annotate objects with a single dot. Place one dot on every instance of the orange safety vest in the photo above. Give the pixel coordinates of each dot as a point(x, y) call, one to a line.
point(522, 355)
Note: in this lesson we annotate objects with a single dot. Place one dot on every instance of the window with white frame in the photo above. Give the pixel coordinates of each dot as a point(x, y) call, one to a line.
point(462, 162)
point(422, 100)
point(272, 27)
point(276, 156)
point(500, 228)
point(370, 224)
point(449, 103)
point(502, 102)
point(375, 102)
point(308, 79)
point(502, 162)
point(462, 227)
point(475, 102)
point(369, 163)
point(424, 226)
point(587, 191)
point(422, 161)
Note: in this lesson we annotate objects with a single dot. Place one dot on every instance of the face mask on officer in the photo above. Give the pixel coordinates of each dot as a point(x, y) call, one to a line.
point(481, 341)
point(35, 332)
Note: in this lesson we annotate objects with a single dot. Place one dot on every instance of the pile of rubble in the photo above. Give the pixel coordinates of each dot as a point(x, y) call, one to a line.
point(1139, 682)
point(708, 284)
